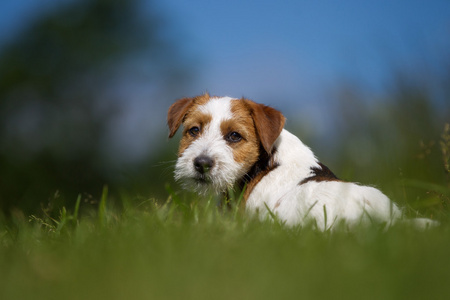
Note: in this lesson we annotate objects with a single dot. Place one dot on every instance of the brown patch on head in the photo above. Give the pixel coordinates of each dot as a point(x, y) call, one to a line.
point(260, 126)
point(268, 121)
point(184, 111)
point(246, 151)
point(178, 111)
point(197, 119)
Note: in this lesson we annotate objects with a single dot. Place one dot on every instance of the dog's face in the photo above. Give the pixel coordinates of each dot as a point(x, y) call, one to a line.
point(222, 139)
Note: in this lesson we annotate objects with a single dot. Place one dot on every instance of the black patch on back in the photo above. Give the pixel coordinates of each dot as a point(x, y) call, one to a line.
point(320, 174)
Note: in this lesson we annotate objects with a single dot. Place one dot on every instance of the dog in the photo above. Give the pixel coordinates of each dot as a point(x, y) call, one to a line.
point(228, 142)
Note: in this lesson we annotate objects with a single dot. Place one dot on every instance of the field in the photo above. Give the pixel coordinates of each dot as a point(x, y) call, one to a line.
point(88, 204)
point(189, 248)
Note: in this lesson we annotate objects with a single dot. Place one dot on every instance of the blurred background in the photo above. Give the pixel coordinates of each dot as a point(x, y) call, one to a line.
point(85, 87)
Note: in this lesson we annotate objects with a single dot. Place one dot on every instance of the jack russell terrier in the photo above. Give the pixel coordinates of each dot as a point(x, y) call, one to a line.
point(227, 141)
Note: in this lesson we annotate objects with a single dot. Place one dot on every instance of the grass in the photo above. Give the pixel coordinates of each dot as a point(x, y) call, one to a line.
point(192, 249)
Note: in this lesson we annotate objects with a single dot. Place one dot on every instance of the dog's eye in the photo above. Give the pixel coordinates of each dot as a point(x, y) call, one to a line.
point(234, 137)
point(194, 131)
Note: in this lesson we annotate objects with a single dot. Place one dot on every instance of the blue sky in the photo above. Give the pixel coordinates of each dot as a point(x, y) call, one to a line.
point(264, 48)
point(295, 54)
point(289, 54)
point(257, 48)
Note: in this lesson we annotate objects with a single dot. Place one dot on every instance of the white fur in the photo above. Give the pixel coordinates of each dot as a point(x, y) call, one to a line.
point(295, 203)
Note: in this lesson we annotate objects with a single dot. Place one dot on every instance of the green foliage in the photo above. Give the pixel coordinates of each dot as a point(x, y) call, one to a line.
point(190, 248)
point(59, 81)
point(445, 148)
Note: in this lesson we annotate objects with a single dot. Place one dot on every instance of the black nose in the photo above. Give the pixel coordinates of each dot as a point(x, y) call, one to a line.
point(203, 164)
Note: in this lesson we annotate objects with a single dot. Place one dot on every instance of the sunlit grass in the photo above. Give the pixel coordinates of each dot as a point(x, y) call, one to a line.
point(186, 247)
point(190, 248)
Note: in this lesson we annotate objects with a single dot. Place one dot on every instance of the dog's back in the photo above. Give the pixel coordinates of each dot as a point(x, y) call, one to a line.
point(296, 195)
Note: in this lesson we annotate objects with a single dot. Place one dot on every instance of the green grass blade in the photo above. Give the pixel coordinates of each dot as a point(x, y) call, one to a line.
point(102, 207)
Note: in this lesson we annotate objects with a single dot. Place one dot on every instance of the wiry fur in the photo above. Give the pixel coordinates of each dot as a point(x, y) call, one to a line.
point(212, 144)
point(282, 175)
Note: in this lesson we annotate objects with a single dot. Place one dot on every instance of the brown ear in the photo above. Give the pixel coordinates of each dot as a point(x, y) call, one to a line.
point(176, 113)
point(268, 122)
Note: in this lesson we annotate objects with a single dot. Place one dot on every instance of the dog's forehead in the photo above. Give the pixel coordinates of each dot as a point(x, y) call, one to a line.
point(218, 107)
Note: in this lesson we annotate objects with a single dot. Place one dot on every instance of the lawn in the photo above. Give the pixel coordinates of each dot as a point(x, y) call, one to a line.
point(189, 248)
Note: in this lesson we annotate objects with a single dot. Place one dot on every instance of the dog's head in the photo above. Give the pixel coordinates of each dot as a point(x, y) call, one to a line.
point(222, 139)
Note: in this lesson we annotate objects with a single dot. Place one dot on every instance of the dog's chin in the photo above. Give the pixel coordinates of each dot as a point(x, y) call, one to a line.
point(201, 183)
point(204, 184)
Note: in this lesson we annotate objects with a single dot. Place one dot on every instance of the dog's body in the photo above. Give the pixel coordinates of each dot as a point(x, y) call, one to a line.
point(301, 189)
point(230, 141)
